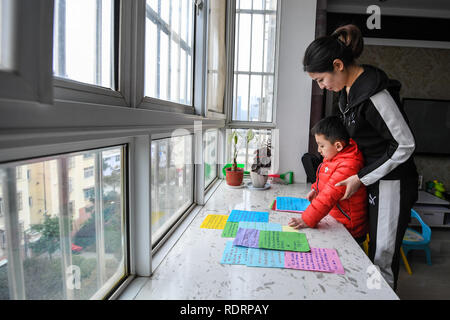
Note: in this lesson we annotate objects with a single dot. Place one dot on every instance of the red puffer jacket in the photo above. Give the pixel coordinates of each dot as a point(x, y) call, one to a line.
point(352, 213)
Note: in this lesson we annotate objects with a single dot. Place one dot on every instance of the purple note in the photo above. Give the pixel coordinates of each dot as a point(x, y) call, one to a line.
point(247, 238)
point(323, 260)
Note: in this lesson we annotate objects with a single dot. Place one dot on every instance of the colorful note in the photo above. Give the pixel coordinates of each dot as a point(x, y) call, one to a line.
point(323, 260)
point(234, 255)
point(240, 215)
point(267, 226)
point(265, 258)
point(247, 238)
point(230, 229)
point(291, 204)
point(214, 221)
point(288, 229)
point(286, 241)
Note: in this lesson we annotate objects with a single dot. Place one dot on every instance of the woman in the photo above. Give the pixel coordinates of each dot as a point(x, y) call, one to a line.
point(374, 120)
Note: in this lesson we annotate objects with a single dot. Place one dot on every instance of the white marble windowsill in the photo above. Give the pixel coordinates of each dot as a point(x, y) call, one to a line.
point(192, 269)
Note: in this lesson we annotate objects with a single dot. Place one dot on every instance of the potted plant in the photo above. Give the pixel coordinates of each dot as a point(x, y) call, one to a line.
point(235, 175)
point(261, 165)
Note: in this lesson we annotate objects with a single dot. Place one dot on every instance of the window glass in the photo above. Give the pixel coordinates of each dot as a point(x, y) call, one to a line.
point(69, 243)
point(6, 32)
point(210, 149)
point(247, 152)
point(255, 57)
point(169, 50)
point(84, 41)
point(216, 55)
point(172, 182)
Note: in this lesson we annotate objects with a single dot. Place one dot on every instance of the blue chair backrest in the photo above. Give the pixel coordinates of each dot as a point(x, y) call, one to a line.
point(426, 231)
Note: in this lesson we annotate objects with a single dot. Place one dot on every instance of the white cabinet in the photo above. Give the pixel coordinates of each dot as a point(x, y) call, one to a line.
point(434, 211)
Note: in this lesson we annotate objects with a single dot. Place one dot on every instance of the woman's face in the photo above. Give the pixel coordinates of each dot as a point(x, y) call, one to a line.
point(333, 81)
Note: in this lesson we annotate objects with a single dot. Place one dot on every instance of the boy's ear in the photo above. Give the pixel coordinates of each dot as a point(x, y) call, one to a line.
point(339, 145)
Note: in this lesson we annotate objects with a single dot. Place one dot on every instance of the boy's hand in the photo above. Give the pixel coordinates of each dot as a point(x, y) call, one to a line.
point(297, 223)
point(311, 195)
point(352, 185)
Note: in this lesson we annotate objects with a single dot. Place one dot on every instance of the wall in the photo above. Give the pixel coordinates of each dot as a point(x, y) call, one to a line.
point(424, 73)
point(297, 29)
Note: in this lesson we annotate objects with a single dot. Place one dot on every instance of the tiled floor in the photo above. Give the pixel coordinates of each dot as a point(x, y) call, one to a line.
point(428, 282)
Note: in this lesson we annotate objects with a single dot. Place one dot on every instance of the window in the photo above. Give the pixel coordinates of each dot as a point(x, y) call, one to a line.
point(89, 172)
point(6, 32)
point(210, 158)
point(247, 152)
point(172, 182)
point(216, 56)
point(59, 235)
point(89, 194)
point(19, 201)
point(70, 208)
point(84, 41)
point(71, 163)
point(255, 60)
point(169, 50)
point(19, 173)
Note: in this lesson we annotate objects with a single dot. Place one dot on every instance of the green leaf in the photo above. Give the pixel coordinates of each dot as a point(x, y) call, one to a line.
point(250, 135)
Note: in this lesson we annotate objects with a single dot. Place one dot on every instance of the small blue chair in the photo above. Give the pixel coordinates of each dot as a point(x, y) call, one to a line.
point(414, 240)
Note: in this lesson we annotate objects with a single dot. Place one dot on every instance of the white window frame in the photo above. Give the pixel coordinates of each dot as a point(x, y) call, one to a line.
point(231, 22)
point(198, 100)
point(85, 117)
point(211, 183)
point(72, 90)
point(30, 79)
point(188, 209)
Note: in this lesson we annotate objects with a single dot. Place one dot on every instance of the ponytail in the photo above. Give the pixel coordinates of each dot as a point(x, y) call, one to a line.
point(345, 43)
point(351, 36)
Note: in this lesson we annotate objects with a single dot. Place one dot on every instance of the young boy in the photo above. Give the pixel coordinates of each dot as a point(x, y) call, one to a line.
point(342, 159)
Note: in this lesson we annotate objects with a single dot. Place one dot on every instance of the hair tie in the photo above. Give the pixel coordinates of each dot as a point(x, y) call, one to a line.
point(337, 37)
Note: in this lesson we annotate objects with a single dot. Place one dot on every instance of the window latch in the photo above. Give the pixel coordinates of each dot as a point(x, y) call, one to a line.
point(199, 5)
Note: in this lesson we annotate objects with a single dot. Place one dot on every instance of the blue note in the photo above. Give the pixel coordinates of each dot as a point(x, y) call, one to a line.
point(266, 226)
point(292, 204)
point(265, 258)
point(234, 255)
point(240, 215)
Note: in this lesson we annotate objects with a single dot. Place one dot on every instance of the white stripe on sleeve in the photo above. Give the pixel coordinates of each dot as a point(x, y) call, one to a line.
point(399, 130)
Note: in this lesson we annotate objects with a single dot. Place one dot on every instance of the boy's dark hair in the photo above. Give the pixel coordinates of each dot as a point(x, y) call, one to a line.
point(332, 128)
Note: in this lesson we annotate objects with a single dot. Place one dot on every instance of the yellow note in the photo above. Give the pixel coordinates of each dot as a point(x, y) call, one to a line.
point(214, 221)
point(289, 229)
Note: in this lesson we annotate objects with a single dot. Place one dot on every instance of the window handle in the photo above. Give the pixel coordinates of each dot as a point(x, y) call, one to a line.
point(199, 5)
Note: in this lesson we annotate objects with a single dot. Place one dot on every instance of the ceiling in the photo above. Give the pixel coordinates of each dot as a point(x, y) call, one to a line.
point(425, 8)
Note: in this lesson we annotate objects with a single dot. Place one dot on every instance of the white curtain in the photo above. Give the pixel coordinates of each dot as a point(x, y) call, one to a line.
point(216, 55)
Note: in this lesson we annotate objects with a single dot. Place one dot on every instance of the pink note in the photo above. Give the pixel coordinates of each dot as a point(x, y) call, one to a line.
point(323, 260)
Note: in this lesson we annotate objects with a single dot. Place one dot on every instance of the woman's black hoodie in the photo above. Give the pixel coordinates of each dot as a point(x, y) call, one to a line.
point(376, 122)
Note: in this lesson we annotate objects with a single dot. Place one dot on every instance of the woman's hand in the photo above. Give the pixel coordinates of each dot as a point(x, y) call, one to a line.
point(311, 195)
point(352, 185)
point(297, 223)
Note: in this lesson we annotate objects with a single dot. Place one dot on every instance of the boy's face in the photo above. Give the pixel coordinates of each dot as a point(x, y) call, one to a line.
point(327, 149)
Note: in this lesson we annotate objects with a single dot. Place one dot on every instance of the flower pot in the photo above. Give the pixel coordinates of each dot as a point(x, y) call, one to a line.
point(234, 178)
point(258, 180)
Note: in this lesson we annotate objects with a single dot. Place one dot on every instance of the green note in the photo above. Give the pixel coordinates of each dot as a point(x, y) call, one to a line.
point(286, 241)
point(230, 230)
